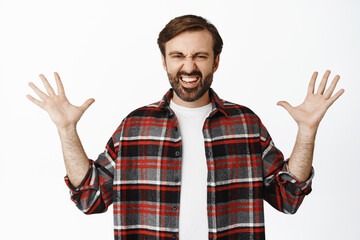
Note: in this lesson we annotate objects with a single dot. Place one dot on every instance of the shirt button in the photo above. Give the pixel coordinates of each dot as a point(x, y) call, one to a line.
point(174, 236)
point(175, 128)
point(209, 154)
point(174, 207)
point(177, 180)
point(177, 153)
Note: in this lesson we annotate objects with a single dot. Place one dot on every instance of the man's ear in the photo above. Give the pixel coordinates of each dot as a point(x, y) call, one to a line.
point(163, 61)
point(216, 62)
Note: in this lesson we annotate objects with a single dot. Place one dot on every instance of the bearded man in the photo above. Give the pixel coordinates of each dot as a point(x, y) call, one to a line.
point(191, 166)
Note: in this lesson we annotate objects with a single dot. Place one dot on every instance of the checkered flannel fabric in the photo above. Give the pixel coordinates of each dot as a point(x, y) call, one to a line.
point(140, 174)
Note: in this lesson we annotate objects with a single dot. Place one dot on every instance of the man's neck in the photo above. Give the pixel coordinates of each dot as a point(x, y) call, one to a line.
point(202, 101)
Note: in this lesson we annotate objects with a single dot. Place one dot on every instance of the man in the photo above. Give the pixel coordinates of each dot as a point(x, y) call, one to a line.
point(191, 166)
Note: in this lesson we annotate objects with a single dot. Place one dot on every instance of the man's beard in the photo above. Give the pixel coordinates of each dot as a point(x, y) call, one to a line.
point(190, 94)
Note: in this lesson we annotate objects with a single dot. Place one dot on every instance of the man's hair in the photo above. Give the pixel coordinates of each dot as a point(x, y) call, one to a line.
point(189, 23)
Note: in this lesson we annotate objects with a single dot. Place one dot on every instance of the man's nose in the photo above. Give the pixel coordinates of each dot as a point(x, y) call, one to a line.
point(189, 65)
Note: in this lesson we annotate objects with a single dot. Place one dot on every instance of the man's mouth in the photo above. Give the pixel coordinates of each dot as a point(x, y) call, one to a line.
point(189, 79)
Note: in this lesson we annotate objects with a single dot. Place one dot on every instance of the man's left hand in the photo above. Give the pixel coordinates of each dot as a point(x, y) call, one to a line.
point(309, 114)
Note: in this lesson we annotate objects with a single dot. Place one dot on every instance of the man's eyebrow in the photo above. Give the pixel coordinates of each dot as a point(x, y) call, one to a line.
point(175, 52)
point(202, 53)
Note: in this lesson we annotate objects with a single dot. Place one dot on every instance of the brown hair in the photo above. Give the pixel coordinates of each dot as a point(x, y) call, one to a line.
point(189, 23)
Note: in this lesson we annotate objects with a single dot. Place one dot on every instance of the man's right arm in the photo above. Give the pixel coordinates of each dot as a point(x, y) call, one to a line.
point(65, 116)
point(90, 182)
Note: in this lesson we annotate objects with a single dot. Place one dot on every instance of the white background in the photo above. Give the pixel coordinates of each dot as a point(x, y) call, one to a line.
point(107, 50)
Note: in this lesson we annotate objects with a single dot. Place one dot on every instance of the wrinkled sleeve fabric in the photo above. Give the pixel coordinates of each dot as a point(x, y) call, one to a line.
point(94, 194)
point(283, 190)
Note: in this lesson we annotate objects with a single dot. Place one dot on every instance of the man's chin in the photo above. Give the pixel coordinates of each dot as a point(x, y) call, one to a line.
point(190, 90)
point(189, 94)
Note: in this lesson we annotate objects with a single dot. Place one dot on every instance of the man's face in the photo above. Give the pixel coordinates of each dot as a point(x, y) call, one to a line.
point(189, 63)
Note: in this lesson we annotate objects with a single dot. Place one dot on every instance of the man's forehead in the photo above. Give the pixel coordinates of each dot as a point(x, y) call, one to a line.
point(195, 53)
point(190, 42)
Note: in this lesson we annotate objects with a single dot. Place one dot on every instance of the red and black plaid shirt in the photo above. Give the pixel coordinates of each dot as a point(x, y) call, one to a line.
point(140, 173)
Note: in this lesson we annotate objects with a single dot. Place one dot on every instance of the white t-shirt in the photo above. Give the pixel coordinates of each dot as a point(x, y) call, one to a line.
point(193, 223)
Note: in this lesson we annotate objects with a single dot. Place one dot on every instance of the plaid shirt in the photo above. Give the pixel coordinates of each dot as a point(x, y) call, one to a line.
point(140, 173)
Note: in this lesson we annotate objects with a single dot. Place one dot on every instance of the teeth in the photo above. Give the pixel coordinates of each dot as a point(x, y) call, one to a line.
point(188, 79)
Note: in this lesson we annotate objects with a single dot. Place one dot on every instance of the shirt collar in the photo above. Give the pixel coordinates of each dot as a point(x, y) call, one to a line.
point(216, 102)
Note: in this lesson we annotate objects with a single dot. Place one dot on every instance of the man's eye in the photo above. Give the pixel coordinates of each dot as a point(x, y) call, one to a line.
point(201, 57)
point(177, 56)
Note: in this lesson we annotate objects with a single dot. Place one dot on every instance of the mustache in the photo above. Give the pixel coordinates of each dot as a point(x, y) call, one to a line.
point(193, 73)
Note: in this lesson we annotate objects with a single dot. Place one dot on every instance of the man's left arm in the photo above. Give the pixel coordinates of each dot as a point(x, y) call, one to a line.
point(308, 116)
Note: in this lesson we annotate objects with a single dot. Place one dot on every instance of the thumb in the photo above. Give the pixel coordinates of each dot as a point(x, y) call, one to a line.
point(285, 105)
point(87, 104)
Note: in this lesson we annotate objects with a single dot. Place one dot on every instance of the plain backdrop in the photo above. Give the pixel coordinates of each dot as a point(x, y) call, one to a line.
point(107, 50)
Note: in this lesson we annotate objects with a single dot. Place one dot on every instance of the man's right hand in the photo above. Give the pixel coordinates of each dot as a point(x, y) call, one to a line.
point(61, 111)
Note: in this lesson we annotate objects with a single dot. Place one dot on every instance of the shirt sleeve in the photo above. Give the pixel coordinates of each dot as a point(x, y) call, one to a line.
point(94, 194)
point(283, 190)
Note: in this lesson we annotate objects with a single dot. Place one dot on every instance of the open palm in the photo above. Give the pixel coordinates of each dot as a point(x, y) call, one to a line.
point(60, 110)
point(312, 110)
